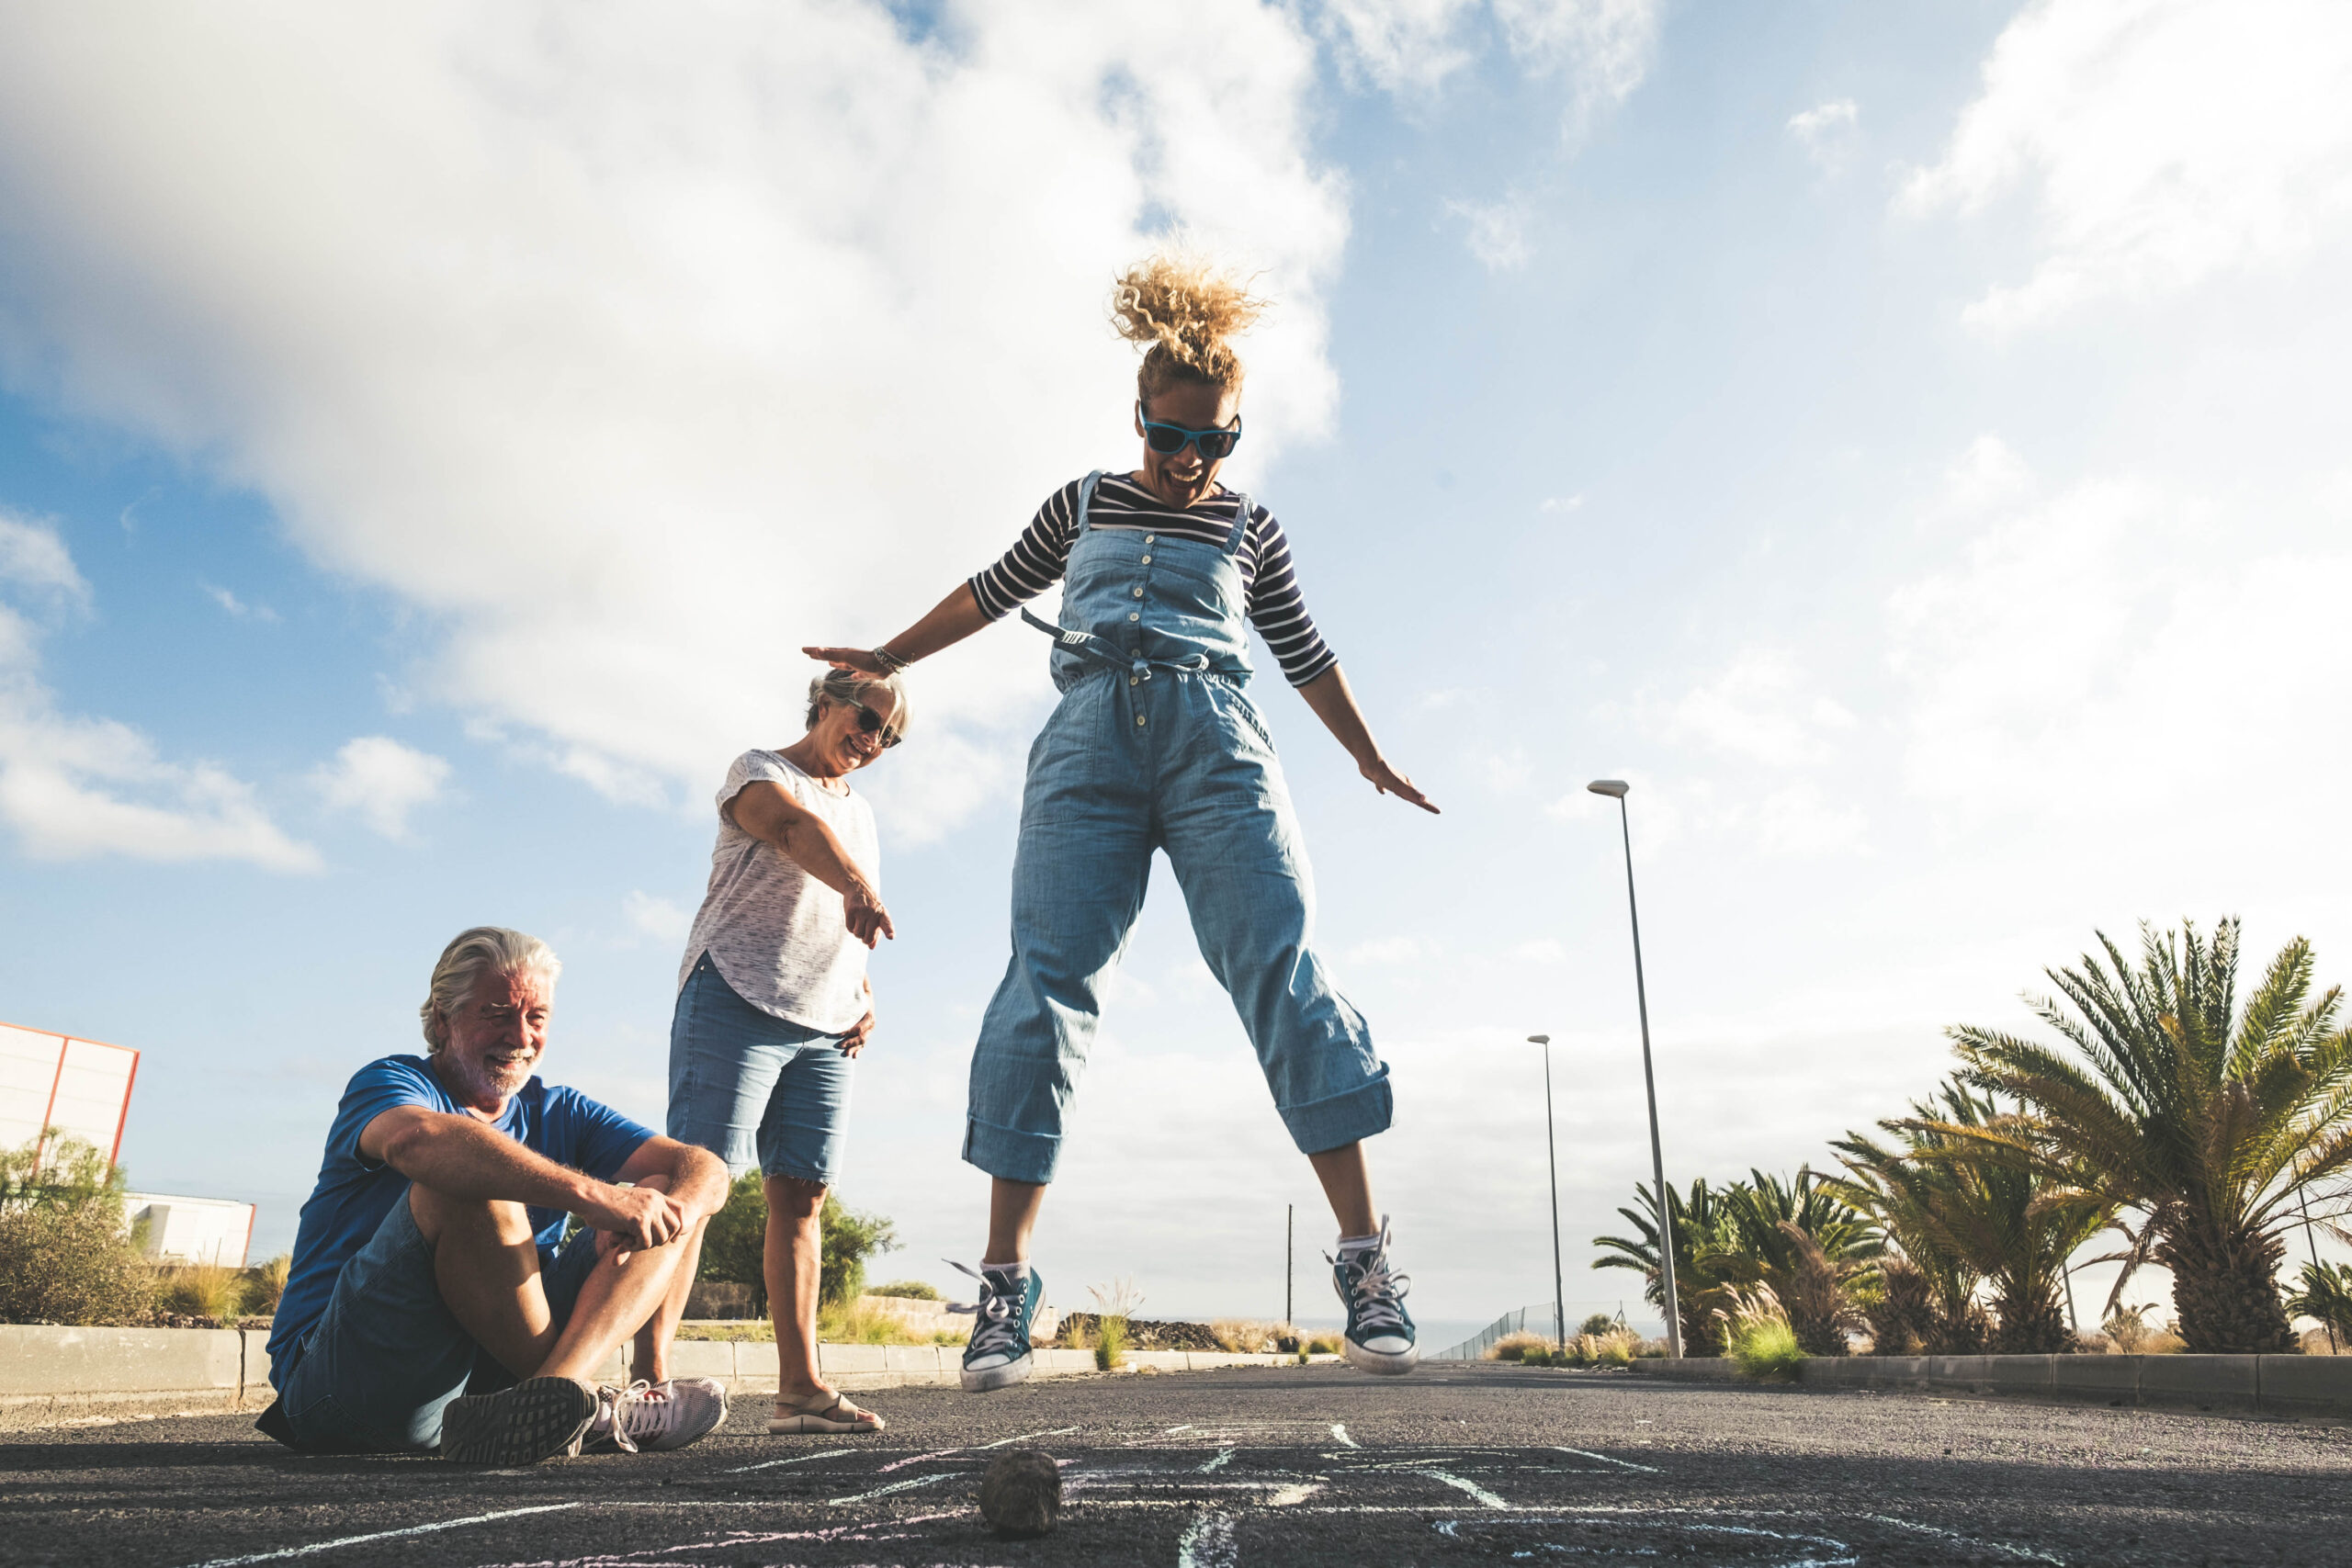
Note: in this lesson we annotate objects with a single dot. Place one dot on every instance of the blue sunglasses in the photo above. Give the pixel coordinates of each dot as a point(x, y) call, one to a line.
point(1169, 439)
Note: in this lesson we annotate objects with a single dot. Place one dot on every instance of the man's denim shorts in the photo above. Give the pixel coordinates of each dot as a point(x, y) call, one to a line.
point(745, 1083)
point(387, 1357)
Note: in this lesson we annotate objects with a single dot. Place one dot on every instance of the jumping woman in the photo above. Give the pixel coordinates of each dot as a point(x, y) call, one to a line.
point(1155, 744)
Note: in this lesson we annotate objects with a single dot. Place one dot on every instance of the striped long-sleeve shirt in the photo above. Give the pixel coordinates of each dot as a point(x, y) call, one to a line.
point(1038, 557)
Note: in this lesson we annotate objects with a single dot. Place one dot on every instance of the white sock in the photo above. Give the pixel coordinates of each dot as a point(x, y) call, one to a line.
point(1017, 1272)
point(1355, 1246)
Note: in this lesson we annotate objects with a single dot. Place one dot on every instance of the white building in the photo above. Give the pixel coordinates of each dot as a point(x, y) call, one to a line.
point(191, 1230)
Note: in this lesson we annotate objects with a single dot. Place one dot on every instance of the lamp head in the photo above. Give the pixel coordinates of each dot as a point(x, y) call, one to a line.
point(1539, 1040)
point(1616, 787)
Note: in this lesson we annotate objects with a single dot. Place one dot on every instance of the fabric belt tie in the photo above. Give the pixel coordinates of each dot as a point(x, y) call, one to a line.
point(1089, 646)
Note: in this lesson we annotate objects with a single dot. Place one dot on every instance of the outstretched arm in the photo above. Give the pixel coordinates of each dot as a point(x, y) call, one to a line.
point(1335, 704)
point(952, 620)
point(764, 810)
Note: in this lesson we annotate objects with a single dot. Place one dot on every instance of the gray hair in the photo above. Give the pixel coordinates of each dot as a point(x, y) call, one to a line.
point(481, 949)
point(856, 686)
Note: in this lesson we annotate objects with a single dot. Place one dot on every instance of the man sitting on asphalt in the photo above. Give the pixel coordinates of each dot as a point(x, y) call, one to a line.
point(432, 1300)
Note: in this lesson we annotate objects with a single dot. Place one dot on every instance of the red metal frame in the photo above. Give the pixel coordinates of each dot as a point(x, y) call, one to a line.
point(64, 1042)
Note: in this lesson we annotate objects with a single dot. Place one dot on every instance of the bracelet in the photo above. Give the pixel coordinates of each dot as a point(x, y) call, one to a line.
point(891, 663)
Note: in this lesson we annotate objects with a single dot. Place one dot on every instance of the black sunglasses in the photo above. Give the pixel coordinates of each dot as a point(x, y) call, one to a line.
point(872, 722)
point(1169, 439)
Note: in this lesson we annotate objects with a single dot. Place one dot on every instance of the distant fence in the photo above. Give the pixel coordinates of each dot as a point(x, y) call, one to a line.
point(1513, 1322)
point(1538, 1319)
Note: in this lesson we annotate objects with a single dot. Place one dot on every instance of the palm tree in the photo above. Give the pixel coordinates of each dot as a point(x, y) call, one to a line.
point(2177, 1109)
point(1960, 1218)
point(1698, 1227)
point(1808, 1243)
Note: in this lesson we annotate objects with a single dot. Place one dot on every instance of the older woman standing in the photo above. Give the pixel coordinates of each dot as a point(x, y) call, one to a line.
point(774, 1005)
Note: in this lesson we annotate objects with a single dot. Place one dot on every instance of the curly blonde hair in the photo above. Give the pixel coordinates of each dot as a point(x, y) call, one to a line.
point(1187, 308)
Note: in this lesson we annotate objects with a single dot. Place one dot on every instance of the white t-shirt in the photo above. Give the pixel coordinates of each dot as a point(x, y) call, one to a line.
point(779, 936)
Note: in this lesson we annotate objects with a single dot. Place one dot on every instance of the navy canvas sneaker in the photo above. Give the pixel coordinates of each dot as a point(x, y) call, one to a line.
point(1380, 1331)
point(998, 1353)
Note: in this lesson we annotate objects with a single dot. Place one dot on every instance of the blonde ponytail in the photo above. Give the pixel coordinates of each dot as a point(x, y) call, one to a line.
point(1187, 309)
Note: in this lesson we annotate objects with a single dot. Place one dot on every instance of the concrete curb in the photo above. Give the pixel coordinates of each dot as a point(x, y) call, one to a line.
point(51, 1376)
point(2272, 1385)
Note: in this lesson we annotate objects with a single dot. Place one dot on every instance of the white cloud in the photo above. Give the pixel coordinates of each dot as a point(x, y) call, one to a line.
point(1561, 503)
point(237, 608)
point(1758, 708)
point(32, 556)
point(2165, 142)
point(627, 370)
point(1496, 232)
point(382, 781)
point(1826, 131)
point(1601, 48)
point(2121, 654)
point(658, 917)
point(1398, 45)
point(72, 787)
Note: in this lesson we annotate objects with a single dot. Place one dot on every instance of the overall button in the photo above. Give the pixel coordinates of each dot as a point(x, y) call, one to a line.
point(1147, 560)
point(1134, 615)
point(1148, 538)
point(1134, 680)
point(1138, 593)
point(1138, 721)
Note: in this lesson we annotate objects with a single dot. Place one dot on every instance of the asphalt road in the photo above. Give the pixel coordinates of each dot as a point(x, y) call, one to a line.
point(1259, 1466)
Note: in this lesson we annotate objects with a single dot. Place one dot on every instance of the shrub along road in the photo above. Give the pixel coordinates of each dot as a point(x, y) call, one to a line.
point(1315, 1465)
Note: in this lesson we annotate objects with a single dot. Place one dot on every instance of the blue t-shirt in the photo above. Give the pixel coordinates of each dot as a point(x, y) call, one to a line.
point(352, 1195)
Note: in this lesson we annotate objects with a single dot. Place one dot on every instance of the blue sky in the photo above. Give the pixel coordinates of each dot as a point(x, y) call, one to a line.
point(1903, 440)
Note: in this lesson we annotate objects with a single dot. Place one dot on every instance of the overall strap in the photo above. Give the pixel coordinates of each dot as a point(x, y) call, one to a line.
point(1085, 502)
point(1240, 521)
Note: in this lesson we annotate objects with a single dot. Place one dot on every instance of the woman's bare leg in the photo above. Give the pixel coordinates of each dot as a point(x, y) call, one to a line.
point(1347, 1182)
point(1012, 1218)
point(793, 1256)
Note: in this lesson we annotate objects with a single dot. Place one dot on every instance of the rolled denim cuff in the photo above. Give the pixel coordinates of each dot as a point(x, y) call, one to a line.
point(1324, 1125)
point(1014, 1156)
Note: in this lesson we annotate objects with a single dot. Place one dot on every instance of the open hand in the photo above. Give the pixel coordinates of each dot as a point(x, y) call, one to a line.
point(848, 659)
point(1388, 781)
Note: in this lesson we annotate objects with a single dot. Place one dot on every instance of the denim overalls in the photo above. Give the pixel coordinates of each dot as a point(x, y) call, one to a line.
point(1155, 745)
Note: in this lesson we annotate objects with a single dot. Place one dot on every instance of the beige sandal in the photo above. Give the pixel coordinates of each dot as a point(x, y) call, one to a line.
point(838, 1415)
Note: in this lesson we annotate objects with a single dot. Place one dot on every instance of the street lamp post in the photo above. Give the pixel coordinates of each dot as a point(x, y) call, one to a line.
point(1615, 789)
point(1551, 1162)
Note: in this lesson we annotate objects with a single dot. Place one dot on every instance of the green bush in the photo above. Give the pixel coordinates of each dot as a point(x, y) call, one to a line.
point(1599, 1324)
point(906, 1289)
point(1110, 1343)
point(1758, 1337)
point(63, 1255)
point(734, 1246)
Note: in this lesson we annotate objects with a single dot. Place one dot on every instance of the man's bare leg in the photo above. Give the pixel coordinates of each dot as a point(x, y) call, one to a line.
point(486, 1264)
point(1013, 1207)
point(649, 1351)
point(793, 1261)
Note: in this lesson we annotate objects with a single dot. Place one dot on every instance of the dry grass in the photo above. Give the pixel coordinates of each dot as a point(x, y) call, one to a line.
point(265, 1282)
point(843, 1324)
point(1515, 1347)
point(202, 1290)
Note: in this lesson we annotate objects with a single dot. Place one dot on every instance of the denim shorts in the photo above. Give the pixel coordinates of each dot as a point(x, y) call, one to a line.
point(387, 1356)
point(748, 1086)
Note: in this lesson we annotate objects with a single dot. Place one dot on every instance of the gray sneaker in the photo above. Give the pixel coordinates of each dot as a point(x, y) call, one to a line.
point(538, 1418)
point(654, 1417)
